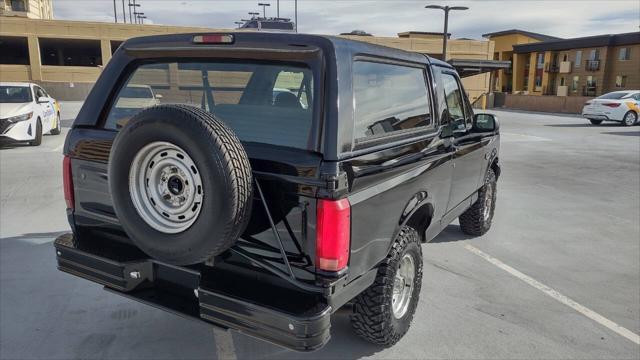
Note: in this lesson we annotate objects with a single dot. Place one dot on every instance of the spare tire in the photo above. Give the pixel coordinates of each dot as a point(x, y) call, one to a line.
point(181, 184)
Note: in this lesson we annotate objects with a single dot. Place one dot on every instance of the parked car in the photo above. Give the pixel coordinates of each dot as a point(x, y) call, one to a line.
point(620, 106)
point(26, 112)
point(132, 99)
point(268, 217)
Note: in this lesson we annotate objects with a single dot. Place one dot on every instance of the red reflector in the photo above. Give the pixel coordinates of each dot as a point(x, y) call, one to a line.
point(333, 234)
point(67, 182)
point(613, 105)
point(213, 39)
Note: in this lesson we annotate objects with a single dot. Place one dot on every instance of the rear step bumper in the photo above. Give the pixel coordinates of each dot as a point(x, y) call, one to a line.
point(183, 291)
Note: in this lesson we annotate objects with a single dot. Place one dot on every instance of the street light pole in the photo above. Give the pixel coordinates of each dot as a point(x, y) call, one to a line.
point(446, 10)
point(124, 14)
point(264, 8)
point(296, 15)
point(115, 13)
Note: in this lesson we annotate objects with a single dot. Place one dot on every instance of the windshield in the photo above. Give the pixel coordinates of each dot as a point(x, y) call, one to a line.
point(614, 95)
point(267, 103)
point(136, 92)
point(15, 94)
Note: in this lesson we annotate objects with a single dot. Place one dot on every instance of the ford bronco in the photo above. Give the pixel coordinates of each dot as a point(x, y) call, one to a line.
point(274, 179)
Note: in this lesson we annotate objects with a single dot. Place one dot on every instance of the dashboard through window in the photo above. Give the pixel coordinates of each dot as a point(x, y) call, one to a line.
point(388, 98)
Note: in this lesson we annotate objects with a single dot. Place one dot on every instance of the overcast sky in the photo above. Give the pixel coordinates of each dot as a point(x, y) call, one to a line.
point(568, 18)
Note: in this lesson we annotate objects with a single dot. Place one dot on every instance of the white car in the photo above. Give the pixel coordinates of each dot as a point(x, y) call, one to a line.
point(621, 106)
point(26, 112)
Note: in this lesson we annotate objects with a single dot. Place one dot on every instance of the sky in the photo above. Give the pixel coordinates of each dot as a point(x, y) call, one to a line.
point(561, 18)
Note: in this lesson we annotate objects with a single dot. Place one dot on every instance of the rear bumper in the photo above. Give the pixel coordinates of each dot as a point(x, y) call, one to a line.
point(292, 319)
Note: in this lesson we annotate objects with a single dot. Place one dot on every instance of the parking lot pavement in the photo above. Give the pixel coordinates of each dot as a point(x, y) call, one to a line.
point(566, 227)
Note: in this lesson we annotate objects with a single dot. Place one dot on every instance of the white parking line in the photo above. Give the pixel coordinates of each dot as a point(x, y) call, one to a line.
point(558, 296)
point(224, 344)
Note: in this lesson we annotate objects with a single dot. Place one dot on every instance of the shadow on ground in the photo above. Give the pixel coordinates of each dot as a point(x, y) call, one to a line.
point(580, 125)
point(451, 233)
point(622, 133)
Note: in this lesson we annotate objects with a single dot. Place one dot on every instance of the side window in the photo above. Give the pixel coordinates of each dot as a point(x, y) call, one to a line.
point(455, 102)
point(388, 98)
point(39, 93)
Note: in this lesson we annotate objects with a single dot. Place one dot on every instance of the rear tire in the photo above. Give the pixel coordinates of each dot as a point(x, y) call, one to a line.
point(595, 122)
point(378, 316)
point(38, 139)
point(181, 184)
point(630, 118)
point(57, 130)
point(477, 219)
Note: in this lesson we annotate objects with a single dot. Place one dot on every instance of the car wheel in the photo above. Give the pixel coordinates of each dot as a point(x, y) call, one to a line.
point(383, 312)
point(38, 139)
point(57, 129)
point(630, 118)
point(595, 122)
point(477, 219)
point(181, 184)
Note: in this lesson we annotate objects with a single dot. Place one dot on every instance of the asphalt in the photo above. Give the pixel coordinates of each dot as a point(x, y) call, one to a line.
point(568, 216)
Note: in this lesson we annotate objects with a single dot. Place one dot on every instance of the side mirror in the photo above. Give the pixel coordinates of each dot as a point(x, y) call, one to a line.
point(158, 96)
point(484, 123)
point(42, 100)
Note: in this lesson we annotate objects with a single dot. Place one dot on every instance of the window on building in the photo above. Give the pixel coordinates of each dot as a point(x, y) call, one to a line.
point(594, 54)
point(388, 98)
point(18, 5)
point(538, 80)
point(565, 57)
point(540, 61)
point(562, 81)
point(70, 52)
point(621, 81)
point(15, 50)
point(578, 58)
point(574, 83)
point(624, 54)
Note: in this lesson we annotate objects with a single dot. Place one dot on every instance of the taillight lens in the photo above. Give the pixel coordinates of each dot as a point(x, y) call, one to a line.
point(214, 39)
point(67, 182)
point(612, 105)
point(333, 234)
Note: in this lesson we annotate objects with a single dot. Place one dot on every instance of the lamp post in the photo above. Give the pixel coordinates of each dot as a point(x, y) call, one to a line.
point(296, 15)
point(253, 14)
point(141, 17)
point(278, 8)
point(238, 23)
point(446, 10)
point(124, 14)
point(264, 8)
point(134, 5)
point(115, 12)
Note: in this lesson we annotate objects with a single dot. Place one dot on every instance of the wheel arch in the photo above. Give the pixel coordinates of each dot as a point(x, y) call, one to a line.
point(417, 214)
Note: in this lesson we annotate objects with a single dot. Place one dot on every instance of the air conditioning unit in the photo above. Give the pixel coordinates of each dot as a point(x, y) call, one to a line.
point(563, 91)
point(565, 67)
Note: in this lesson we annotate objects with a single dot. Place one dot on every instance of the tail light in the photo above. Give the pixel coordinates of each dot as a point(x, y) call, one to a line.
point(67, 182)
point(333, 234)
point(612, 105)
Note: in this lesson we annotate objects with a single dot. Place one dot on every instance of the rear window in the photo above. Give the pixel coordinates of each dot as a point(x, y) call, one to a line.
point(262, 103)
point(614, 95)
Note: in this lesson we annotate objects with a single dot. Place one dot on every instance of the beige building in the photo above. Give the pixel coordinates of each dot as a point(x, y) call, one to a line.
point(32, 9)
point(66, 57)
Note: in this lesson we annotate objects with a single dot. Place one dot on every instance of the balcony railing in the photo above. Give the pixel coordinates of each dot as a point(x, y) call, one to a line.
point(589, 90)
point(592, 65)
point(551, 68)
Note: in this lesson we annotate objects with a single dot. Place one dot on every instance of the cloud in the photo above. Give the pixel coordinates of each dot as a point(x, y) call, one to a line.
point(385, 18)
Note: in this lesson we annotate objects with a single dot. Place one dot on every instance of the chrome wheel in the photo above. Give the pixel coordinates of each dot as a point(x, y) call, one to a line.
point(488, 201)
point(165, 187)
point(629, 118)
point(403, 286)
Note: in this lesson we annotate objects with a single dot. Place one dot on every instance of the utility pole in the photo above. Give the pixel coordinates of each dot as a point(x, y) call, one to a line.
point(130, 18)
point(115, 13)
point(278, 9)
point(124, 14)
point(296, 15)
point(446, 10)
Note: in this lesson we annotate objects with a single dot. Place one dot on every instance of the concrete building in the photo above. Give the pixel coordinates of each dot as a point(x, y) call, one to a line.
point(32, 9)
point(66, 57)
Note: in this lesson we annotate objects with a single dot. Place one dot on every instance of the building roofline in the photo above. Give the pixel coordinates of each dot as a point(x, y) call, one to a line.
point(537, 36)
point(582, 42)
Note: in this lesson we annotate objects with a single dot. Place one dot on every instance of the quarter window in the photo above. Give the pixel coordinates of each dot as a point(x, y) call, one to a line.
point(388, 98)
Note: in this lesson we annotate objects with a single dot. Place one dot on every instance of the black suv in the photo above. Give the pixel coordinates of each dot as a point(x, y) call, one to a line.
point(272, 179)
